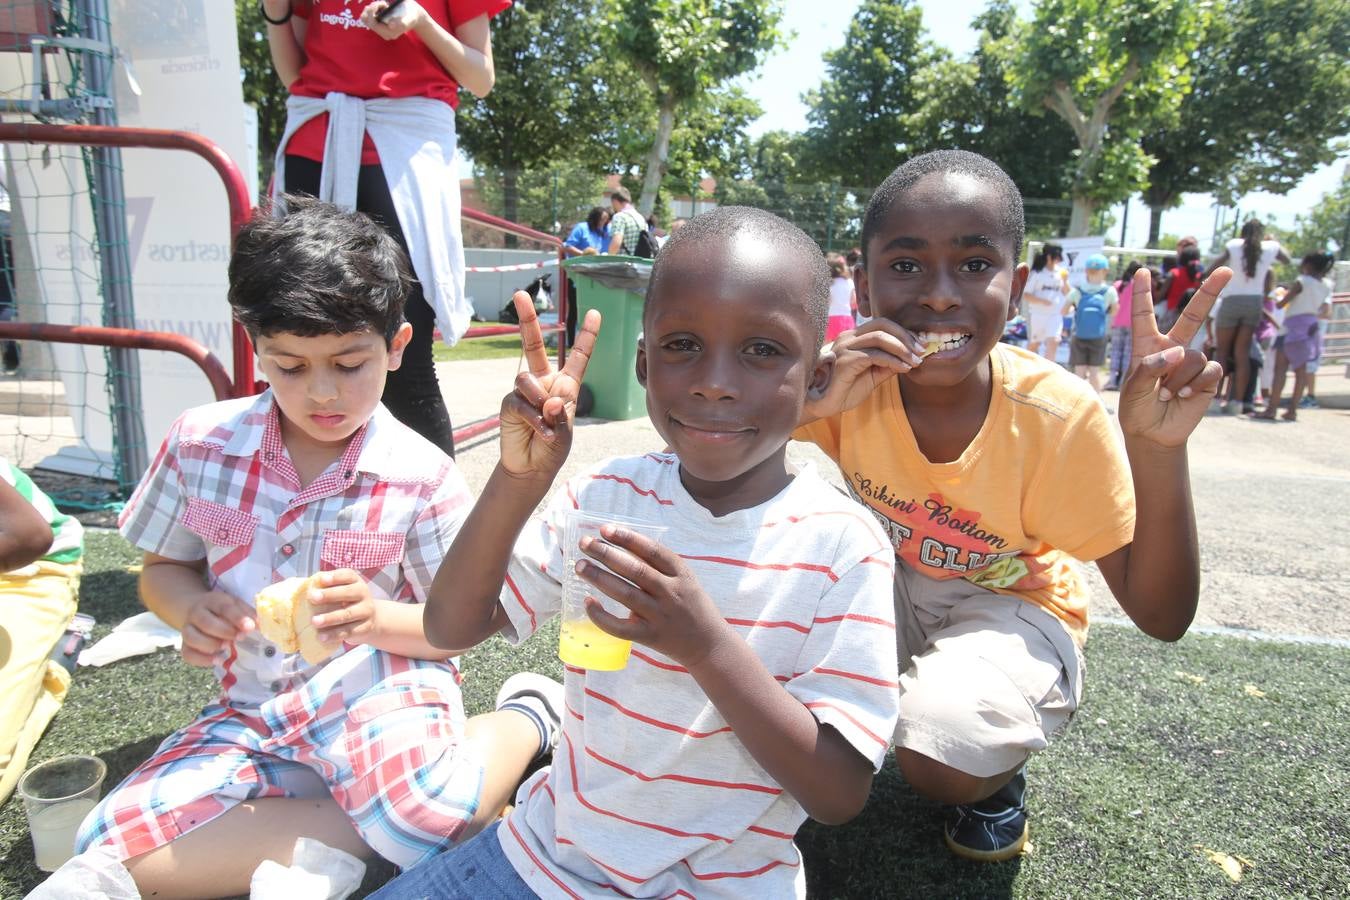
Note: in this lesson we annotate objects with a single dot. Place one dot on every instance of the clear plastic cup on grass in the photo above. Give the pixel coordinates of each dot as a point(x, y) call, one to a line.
point(581, 642)
point(57, 795)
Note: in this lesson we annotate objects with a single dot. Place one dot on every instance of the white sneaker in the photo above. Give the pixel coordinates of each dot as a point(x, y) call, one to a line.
point(539, 697)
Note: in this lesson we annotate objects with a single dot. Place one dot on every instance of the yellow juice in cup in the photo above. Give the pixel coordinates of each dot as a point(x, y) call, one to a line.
point(581, 643)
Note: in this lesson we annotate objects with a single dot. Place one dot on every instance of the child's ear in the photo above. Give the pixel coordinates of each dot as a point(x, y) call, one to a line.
point(821, 374)
point(641, 366)
point(398, 345)
point(1019, 282)
point(860, 288)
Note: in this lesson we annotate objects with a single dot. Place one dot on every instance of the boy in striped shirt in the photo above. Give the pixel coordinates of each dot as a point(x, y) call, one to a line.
point(762, 683)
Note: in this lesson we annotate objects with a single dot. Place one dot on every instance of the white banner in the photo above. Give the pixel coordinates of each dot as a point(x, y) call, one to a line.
point(186, 60)
point(1076, 252)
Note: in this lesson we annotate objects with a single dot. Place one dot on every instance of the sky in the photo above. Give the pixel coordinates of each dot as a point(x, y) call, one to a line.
point(817, 27)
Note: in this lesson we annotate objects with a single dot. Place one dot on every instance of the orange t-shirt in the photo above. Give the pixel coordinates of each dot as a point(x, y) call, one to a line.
point(1044, 482)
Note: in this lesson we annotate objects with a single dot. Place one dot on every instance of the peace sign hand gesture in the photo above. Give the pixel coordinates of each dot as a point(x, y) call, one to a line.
point(1169, 386)
point(536, 429)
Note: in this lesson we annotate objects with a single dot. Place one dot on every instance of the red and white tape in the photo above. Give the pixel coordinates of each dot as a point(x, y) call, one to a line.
point(519, 267)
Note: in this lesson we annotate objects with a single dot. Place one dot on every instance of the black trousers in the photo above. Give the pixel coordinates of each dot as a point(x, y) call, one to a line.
point(412, 392)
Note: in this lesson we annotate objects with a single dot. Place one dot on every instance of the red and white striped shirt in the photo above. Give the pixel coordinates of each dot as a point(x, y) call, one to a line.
point(223, 488)
point(650, 793)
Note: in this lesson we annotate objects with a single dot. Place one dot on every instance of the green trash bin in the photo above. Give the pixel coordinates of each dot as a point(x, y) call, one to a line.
point(616, 286)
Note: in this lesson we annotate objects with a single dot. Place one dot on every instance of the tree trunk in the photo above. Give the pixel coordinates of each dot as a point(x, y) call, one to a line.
point(1081, 217)
point(655, 167)
point(1154, 224)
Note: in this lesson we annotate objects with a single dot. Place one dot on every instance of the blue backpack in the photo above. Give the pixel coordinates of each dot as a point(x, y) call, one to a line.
point(1089, 321)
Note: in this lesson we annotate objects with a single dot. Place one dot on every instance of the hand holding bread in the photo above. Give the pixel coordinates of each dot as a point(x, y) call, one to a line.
point(314, 615)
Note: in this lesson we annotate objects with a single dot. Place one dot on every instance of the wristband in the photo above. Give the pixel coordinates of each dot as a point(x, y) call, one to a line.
point(262, 11)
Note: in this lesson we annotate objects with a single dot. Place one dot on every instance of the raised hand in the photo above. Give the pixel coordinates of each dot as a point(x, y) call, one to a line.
point(536, 429)
point(669, 610)
point(1169, 386)
point(863, 360)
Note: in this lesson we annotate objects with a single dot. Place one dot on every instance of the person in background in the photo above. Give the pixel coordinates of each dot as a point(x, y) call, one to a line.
point(395, 72)
point(1305, 303)
point(625, 224)
point(1184, 276)
point(1237, 320)
point(1118, 351)
point(587, 238)
point(841, 297)
point(1045, 293)
point(1093, 305)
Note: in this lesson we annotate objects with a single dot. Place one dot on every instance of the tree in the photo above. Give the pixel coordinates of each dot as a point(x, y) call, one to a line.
point(682, 49)
point(1110, 69)
point(551, 102)
point(1263, 104)
point(1327, 225)
point(860, 126)
point(262, 88)
point(546, 199)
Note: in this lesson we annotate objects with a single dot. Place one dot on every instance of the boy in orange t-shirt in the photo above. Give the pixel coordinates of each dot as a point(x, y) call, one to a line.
point(992, 470)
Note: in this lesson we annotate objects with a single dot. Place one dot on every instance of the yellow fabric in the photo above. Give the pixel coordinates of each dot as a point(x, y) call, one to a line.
point(37, 603)
point(1044, 481)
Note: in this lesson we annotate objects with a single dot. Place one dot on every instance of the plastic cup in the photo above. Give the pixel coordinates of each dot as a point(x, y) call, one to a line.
point(581, 643)
point(57, 795)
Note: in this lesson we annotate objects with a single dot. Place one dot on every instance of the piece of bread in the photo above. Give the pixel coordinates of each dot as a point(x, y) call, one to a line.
point(285, 618)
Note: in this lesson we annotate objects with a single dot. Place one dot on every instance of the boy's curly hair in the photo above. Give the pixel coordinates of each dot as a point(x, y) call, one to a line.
point(317, 270)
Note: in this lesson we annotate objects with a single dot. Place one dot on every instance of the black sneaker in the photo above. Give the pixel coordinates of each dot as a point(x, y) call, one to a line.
point(992, 830)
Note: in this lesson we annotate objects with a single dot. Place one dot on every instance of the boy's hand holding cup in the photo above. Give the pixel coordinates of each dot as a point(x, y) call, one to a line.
point(536, 429)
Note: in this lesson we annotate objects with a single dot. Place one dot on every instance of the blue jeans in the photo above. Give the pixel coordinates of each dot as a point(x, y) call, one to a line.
point(476, 870)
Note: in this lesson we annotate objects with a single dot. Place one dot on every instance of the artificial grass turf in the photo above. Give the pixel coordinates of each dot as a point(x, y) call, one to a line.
point(1170, 750)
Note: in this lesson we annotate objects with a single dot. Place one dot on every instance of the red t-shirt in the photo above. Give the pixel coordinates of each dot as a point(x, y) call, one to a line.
point(343, 55)
point(1182, 281)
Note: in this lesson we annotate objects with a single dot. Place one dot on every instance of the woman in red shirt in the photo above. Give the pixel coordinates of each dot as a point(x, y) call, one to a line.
point(388, 75)
point(1185, 276)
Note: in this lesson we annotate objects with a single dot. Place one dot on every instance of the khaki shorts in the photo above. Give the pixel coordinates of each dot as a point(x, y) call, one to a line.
point(986, 678)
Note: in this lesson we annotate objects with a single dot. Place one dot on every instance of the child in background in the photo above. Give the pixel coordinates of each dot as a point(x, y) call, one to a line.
point(40, 553)
point(367, 751)
point(999, 469)
point(762, 683)
point(1045, 294)
point(1092, 305)
point(841, 298)
point(1301, 343)
point(1184, 276)
point(1119, 350)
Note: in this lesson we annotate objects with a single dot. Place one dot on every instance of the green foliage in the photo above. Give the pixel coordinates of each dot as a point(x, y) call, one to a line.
point(970, 105)
point(683, 51)
point(546, 200)
point(262, 88)
point(1267, 96)
point(861, 124)
point(1110, 69)
point(1326, 226)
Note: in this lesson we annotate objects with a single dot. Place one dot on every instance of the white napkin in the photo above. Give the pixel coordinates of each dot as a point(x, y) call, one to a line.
point(136, 636)
point(96, 874)
point(317, 872)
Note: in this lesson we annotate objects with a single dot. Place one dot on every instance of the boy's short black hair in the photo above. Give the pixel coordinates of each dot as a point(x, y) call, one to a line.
point(317, 270)
point(1008, 199)
point(722, 224)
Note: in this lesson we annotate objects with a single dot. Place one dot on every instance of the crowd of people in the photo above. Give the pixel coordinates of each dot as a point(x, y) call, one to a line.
point(788, 637)
point(1259, 330)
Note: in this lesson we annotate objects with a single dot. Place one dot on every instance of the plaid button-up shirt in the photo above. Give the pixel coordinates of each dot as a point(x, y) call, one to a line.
point(223, 488)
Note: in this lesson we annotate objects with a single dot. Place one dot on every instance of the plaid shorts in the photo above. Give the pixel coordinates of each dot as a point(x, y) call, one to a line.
point(381, 733)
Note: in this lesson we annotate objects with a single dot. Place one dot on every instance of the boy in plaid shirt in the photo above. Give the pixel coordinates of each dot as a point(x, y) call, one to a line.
point(368, 751)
